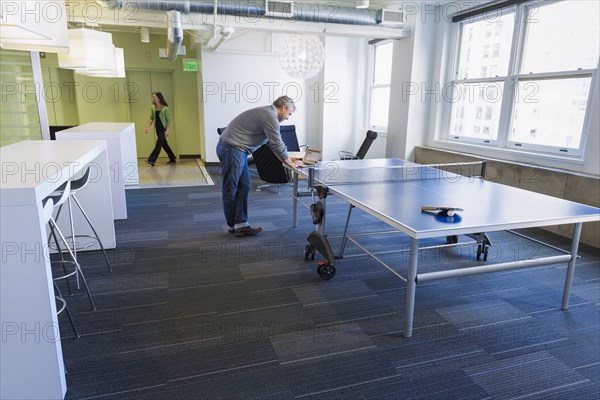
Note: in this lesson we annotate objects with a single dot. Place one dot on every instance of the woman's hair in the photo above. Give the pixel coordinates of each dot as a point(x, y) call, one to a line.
point(285, 101)
point(161, 98)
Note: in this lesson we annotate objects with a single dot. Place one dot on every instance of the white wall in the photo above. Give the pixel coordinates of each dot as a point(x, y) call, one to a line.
point(410, 100)
point(331, 106)
point(245, 73)
point(343, 95)
point(236, 79)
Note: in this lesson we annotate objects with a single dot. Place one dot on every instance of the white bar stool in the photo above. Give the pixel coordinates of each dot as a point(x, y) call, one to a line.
point(76, 185)
point(58, 200)
point(61, 303)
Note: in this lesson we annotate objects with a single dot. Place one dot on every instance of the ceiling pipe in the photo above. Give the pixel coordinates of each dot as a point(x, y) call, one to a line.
point(174, 34)
point(250, 9)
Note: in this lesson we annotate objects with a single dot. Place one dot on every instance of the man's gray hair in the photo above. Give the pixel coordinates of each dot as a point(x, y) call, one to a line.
point(285, 101)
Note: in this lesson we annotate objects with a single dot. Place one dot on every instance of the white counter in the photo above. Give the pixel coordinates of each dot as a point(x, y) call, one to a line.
point(122, 155)
point(30, 171)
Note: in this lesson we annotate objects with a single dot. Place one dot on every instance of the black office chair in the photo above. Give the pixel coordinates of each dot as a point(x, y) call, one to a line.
point(270, 168)
point(362, 151)
point(289, 137)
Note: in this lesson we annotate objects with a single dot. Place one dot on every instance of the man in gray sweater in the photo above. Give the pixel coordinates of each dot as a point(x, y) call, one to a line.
point(246, 133)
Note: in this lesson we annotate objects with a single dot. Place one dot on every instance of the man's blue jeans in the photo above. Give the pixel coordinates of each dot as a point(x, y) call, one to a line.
point(236, 184)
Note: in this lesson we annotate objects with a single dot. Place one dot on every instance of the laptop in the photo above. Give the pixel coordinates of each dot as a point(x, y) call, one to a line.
point(312, 156)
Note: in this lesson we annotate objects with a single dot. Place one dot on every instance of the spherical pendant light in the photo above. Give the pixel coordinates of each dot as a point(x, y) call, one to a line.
point(302, 56)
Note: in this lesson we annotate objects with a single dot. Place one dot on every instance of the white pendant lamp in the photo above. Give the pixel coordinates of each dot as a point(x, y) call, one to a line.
point(89, 50)
point(302, 56)
point(117, 72)
point(34, 26)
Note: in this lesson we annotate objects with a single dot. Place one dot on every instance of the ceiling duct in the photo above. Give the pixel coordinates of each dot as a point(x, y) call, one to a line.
point(281, 9)
point(391, 18)
point(174, 35)
point(252, 9)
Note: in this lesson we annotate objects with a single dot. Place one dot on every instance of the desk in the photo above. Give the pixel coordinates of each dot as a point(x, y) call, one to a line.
point(393, 191)
point(296, 154)
point(122, 155)
point(31, 354)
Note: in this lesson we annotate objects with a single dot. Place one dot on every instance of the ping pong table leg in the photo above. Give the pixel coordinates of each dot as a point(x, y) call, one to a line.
point(345, 235)
point(411, 287)
point(571, 267)
point(295, 200)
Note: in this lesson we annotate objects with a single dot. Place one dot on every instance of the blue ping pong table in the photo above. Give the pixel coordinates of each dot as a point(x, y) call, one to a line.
point(394, 190)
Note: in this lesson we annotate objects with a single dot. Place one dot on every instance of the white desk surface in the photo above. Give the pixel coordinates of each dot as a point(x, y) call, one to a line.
point(296, 154)
point(42, 165)
point(100, 130)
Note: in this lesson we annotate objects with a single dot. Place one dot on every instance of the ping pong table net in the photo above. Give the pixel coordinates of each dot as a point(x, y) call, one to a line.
point(335, 173)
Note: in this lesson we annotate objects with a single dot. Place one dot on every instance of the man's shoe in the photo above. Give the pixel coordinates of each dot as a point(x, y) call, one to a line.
point(231, 230)
point(171, 161)
point(247, 231)
point(151, 163)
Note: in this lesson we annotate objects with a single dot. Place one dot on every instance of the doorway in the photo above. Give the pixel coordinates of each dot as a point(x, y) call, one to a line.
point(140, 85)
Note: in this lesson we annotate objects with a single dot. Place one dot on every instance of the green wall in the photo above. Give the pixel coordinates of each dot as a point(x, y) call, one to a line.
point(81, 99)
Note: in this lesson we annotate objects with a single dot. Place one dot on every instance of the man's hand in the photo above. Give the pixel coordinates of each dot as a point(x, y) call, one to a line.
point(293, 162)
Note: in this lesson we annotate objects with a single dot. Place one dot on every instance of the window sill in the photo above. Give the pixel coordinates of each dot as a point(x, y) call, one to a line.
point(506, 154)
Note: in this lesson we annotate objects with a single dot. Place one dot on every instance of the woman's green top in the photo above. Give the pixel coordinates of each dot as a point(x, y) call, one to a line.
point(163, 114)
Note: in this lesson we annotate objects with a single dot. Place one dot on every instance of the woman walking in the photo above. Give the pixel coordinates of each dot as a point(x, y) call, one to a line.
point(159, 115)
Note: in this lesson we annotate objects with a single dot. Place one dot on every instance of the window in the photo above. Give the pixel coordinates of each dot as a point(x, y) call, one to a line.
point(531, 80)
point(379, 85)
point(19, 113)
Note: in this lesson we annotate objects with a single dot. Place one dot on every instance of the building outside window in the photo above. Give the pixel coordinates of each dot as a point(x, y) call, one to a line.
point(536, 79)
point(379, 85)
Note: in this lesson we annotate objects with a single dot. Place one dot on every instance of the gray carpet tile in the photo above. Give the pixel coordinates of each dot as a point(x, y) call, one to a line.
point(453, 385)
point(533, 374)
point(332, 373)
point(469, 316)
point(320, 342)
point(191, 312)
point(334, 292)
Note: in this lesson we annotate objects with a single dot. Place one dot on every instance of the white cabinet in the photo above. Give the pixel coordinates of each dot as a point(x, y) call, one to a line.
point(31, 170)
point(122, 155)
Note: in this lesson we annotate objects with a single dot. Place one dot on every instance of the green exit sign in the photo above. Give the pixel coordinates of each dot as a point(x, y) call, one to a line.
point(190, 65)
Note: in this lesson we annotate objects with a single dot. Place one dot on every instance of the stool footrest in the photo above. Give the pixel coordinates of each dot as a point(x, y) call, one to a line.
point(63, 304)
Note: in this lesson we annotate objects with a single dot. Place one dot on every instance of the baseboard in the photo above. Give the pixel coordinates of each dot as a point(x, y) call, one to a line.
point(182, 156)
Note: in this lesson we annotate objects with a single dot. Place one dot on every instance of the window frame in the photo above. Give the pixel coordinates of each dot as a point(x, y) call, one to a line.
point(509, 83)
point(371, 86)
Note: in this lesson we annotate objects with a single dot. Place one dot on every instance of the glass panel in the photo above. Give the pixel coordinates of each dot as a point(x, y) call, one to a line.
point(380, 105)
point(382, 73)
point(550, 112)
point(19, 117)
point(476, 110)
point(485, 47)
point(562, 37)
